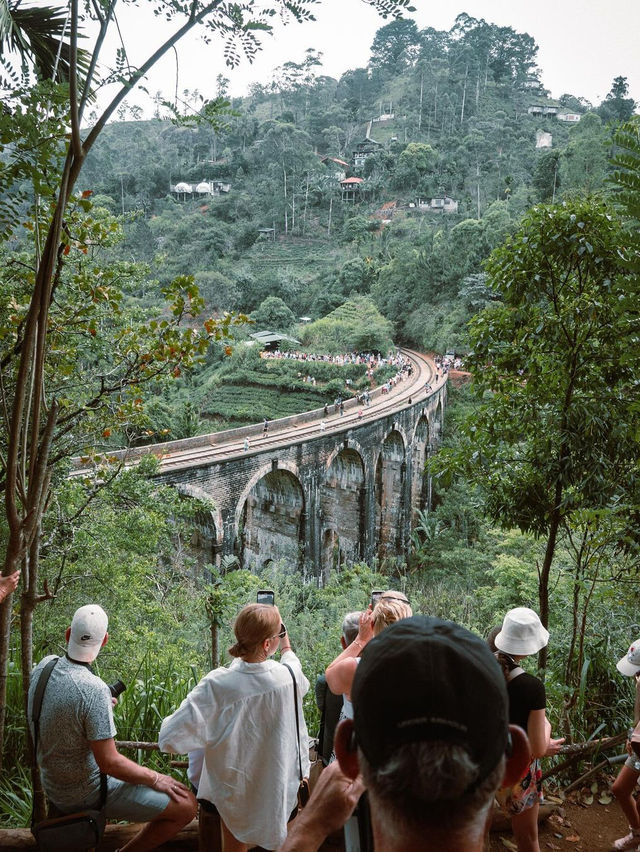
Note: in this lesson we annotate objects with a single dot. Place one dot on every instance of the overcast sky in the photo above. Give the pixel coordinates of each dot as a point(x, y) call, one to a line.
point(583, 44)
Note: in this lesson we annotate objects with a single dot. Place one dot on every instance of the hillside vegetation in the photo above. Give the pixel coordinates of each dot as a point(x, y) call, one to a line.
point(450, 111)
point(533, 493)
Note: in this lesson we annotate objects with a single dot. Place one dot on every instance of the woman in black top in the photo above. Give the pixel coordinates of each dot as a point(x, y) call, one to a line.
point(522, 634)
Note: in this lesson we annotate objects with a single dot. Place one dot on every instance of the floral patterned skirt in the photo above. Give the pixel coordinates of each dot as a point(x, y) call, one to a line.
point(524, 794)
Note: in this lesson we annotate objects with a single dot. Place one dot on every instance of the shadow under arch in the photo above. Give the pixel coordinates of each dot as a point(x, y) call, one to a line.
point(208, 531)
point(270, 518)
point(419, 476)
point(342, 502)
point(391, 470)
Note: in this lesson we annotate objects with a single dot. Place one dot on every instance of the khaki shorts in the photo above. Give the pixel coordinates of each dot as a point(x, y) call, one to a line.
point(131, 802)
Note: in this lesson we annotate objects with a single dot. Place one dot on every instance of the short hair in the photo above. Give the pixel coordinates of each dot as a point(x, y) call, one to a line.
point(350, 626)
point(392, 606)
point(491, 637)
point(430, 785)
point(254, 623)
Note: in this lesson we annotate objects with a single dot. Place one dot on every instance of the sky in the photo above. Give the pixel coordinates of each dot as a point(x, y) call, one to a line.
point(583, 44)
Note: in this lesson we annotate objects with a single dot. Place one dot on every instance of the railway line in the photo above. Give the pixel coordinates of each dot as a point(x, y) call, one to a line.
point(288, 431)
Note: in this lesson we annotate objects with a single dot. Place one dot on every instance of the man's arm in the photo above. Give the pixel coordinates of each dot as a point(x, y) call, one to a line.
point(329, 807)
point(112, 763)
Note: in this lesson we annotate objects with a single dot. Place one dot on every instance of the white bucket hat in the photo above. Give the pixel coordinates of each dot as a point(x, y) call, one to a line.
point(630, 663)
point(522, 632)
point(88, 629)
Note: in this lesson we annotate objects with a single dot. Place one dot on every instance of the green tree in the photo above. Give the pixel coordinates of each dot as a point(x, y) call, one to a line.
point(584, 164)
point(394, 45)
point(553, 431)
point(546, 179)
point(273, 314)
point(33, 412)
point(357, 325)
point(414, 163)
point(617, 106)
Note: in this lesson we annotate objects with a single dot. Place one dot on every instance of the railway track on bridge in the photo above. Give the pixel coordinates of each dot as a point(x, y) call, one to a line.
point(229, 444)
point(410, 388)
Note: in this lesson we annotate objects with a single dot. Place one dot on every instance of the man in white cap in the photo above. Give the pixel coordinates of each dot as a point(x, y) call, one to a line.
point(76, 745)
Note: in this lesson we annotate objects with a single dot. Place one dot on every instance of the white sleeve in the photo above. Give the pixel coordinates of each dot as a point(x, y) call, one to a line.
point(186, 728)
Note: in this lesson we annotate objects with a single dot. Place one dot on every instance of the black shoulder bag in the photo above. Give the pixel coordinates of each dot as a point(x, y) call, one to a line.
point(303, 789)
point(75, 832)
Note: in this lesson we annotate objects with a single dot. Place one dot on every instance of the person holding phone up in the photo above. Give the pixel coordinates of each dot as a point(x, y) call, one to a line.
point(243, 718)
point(385, 608)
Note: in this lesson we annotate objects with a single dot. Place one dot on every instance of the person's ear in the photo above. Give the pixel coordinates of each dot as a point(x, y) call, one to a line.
point(518, 757)
point(67, 634)
point(105, 640)
point(346, 749)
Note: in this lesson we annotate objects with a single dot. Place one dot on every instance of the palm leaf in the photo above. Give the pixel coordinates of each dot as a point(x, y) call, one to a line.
point(33, 36)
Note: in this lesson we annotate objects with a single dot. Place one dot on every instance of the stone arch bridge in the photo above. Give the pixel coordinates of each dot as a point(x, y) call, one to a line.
point(316, 491)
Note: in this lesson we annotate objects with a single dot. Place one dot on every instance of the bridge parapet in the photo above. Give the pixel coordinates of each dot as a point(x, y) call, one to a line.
point(316, 491)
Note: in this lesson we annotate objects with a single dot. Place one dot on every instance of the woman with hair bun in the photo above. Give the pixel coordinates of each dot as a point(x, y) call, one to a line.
point(242, 716)
point(522, 634)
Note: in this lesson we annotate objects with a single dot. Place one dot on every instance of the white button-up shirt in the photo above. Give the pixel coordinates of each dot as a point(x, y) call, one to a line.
point(243, 718)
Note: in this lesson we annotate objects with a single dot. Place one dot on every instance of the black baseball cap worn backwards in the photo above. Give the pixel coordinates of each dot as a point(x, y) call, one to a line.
point(425, 679)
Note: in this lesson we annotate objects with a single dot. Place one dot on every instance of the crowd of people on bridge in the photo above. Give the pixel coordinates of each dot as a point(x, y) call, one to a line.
point(373, 360)
point(425, 729)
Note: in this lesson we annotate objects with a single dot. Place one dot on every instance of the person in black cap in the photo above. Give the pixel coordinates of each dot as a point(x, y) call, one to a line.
point(429, 737)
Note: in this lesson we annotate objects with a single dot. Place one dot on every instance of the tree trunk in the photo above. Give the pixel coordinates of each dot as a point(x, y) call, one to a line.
point(464, 92)
point(286, 201)
point(421, 94)
point(545, 572)
point(330, 211)
point(5, 634)
point(306, 205)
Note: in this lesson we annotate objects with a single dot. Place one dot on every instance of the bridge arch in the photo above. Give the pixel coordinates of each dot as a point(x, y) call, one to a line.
point(389, 490)
point(342, 508)
point(419, 478)
point(270, 517)
point(208, 529)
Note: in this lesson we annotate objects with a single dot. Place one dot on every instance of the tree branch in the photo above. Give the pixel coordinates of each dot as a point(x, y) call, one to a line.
point(146, 66)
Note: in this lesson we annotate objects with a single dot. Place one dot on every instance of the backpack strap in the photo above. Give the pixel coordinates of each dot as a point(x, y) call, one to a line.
point(295, 710)
point(514, 673)
point(323, 718)
point(36, 709)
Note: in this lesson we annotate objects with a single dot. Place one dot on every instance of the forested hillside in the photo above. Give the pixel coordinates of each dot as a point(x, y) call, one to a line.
point(452, 115)
point(437, 198)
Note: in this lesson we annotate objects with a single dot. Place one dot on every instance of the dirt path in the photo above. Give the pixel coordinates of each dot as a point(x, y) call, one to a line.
point(577, 826)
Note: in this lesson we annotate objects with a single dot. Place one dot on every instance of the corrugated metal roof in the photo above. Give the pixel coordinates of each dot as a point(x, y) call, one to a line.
point(271, 337)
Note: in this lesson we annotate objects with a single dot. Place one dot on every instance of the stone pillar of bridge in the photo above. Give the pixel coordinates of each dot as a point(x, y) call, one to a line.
point(370, 544)
point(406, 503)
point(312, 521)
point(229, 533)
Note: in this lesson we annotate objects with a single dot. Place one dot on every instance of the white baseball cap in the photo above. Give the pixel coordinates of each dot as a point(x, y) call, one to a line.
point(630, 663)
point(88, 629)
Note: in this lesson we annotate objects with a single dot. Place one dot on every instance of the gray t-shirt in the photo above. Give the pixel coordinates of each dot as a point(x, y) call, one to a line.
point(76, 709)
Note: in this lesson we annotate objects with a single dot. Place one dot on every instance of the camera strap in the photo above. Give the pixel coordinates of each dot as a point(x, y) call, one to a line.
point(36, 708)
